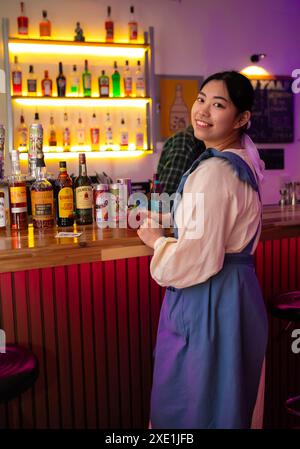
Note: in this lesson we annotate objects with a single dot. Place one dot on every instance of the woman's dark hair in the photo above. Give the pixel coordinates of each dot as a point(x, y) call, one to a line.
point(239, 88)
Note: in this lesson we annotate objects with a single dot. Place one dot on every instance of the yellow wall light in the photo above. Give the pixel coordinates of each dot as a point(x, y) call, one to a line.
point(93, 155)
point(95, 49)
point(83, 102)
point(254, 70)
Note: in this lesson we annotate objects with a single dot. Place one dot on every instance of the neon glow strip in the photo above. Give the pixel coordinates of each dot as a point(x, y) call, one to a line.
point(83, 102)
point(122, 154)
point(84, 50)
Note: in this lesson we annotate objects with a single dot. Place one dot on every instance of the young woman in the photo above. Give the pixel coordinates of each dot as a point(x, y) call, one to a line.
point(212, 332)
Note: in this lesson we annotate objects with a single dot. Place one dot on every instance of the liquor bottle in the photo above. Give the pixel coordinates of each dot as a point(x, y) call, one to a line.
point(139, 134)
point(116, 81)
point(86, 80)
point(22, 133)
point(64, 197)
point(42, 200)
point(83, 194)
point(132, 26)
point(103, 83)
point(17, 194)
point(17, 77)
point(179, 113)
point(123, 135)
point(36, 118)
point(45, 25)
point(80, 131)
point(46, 85)
point(139, 81)
point(31, 82)
point(22, 21)
point(2, 212)
point(75, 82)
point(2, 141)
point(95, 133)
point(66, 133)
point(61, 82)
point(109, 27)
point(108, 130)
point(127, 80)
point(52, 133)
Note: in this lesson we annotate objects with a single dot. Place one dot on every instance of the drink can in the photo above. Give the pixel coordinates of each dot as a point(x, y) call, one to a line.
point(101, 204)
point(35, 146)
point(114, 190)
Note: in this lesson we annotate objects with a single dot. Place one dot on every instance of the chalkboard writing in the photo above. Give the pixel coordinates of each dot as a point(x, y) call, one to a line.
point(272, 118)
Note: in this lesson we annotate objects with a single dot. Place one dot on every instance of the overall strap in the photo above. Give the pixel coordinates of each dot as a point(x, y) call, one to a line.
point(240, 167)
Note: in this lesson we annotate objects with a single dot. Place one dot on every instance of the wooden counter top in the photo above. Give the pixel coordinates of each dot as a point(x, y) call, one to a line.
point(39, 249)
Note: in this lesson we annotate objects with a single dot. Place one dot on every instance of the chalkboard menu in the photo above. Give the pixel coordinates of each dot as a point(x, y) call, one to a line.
point(272, 118)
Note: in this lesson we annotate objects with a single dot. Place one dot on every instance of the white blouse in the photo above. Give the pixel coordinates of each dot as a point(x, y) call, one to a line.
point(227, 214)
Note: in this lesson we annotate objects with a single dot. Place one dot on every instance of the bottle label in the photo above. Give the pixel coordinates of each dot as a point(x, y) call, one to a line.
point(47, 87)
point(31, 86)
point(133, 31)
point(140, 86)
point(109, 136)
point(104, 90)
point(23, 137)
point(124, 138)
point(128, 84)
point(87, 82)
point(61, 83)
point(109, 26)
point(2, 213)
point(18, 195)
point(52, 138)
point(139, 140)
point(18, 210)
point(75, 85)
point(95, 135)
point(66, 137)
point(80, 136)
point(65, 202)
point(84, 197)
point(17, 78)
point(42, 205)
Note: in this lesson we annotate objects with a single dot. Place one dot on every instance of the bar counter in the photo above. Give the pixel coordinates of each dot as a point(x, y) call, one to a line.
point(41, 248)
point(89, 310)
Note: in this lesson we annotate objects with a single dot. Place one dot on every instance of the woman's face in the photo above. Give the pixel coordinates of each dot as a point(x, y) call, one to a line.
point(214, 116)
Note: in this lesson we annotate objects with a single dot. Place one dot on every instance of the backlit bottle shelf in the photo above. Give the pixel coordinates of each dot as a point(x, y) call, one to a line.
point(135, 102)
point(59, 47)
point(57, 153)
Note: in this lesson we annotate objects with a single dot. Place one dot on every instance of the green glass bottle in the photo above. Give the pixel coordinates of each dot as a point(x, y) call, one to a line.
point(116, 84)
point(86, 80)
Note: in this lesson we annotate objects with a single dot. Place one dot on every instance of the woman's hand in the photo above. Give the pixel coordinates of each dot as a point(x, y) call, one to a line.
point(149, 232)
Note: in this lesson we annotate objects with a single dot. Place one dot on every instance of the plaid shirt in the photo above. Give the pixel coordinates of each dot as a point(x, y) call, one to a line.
point(178, 154)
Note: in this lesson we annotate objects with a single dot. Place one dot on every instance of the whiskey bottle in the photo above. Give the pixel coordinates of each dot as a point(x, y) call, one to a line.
point(83, 194)
point(64, 197)
point(127, 80)
point(31, 82)
point(22, 21)
point(22, 133)
point(95, 133)
point(17, 77)
point(46, 85)
point(45, 26)
point(61, 82)
point(116, 81)
point(139, 135)
point(132, 26)
point(17, 194)
point(52, 133)
point(109, 27)
point(123, 135)
point(66, 133)
point(139, 81)
point(86, 80)
point(42, 201)
point(103, 83)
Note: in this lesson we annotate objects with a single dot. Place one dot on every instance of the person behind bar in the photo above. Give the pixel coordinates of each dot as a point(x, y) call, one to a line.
point(177, 156)
point(212, 332)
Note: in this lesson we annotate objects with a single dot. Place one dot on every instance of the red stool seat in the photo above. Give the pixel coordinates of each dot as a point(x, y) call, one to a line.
point(18, 371)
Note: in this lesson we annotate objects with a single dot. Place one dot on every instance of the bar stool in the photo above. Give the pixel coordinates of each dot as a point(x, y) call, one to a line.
point(287, 307)
point(19, 370)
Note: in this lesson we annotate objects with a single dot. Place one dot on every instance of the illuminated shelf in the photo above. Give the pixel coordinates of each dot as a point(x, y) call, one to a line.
point(67, 155)
point(63, 47)
point(136, 102)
